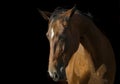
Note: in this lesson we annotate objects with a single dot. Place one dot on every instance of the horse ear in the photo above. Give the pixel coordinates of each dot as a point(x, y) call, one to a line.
point(70, 12)
point(46, 15)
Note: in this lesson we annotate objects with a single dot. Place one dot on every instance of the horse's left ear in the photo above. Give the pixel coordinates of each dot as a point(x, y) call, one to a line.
point(46, 15)
point(70, 12)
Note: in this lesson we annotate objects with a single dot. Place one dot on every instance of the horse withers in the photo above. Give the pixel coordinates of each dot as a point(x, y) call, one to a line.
point(78, 49)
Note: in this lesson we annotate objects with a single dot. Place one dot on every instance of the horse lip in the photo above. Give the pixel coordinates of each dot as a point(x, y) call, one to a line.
point(50, 74)
point(56, 79)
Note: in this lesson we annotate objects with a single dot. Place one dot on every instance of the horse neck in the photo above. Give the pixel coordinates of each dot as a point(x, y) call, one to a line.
point(86, 32)
point(92, 39)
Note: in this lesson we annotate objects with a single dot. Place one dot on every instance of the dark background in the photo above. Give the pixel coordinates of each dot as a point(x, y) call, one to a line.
point(29, 42)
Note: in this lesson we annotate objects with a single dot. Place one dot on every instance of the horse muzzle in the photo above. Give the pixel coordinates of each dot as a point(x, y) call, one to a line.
point(58, 75)
point(54, 75)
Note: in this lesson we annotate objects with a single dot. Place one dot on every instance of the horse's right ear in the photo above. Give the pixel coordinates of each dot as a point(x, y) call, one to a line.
point(46, 15)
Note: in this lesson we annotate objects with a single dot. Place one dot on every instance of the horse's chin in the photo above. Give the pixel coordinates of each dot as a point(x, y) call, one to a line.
point(59, 80)
point(56, 79)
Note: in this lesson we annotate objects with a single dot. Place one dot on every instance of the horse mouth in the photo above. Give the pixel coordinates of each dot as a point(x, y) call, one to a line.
point(56, 79)
point(60, 78)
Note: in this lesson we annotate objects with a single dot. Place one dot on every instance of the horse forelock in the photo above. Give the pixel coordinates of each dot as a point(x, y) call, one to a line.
point(57, 12)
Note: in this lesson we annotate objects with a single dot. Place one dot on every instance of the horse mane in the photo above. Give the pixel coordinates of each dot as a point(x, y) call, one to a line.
point(88, 14)
point(60, 10)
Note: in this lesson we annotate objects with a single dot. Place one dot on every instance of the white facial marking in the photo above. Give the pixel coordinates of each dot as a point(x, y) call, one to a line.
point(52, 33)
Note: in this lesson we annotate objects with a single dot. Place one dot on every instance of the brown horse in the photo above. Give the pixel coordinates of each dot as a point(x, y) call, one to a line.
point(79, 52)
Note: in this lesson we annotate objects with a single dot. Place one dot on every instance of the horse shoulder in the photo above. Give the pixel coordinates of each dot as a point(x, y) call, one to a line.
point(80, 66)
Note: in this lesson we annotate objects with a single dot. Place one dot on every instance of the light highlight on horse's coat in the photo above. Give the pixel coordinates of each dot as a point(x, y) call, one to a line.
point(50, 73)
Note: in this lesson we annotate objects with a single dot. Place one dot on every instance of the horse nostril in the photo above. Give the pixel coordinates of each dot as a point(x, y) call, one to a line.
point(56, 75)
point(61, 69)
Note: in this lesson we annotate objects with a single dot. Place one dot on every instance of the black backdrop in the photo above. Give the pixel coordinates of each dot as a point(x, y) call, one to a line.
point(32, 46)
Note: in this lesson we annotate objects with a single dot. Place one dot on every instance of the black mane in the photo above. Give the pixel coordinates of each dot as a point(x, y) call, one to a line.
point(60, 10)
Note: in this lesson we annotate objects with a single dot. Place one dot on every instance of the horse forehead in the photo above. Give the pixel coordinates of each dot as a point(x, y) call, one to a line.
point(51, 29)
point(55, 25)
point(54, 22)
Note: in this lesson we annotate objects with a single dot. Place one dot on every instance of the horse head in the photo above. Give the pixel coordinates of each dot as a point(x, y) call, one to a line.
point(63, 41)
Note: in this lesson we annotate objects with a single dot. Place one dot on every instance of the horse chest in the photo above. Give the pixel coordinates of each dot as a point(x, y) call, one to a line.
point(80, 66)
